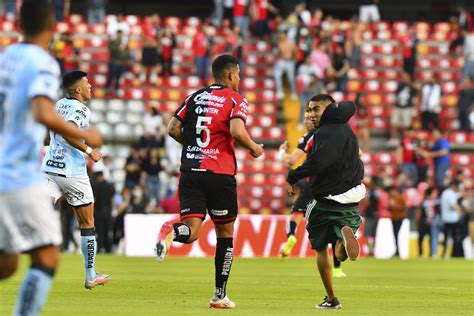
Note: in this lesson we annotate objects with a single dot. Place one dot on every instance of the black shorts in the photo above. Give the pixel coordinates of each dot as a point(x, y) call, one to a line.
point(304, 198)
point(216, 193)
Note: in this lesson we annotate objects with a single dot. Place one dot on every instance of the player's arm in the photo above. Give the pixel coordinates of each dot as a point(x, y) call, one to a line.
point(44, 112)
point(294, 157)
point(316, 163)
point(175, 130)
point(47, 139)
point(240, 134)
point(77, 143)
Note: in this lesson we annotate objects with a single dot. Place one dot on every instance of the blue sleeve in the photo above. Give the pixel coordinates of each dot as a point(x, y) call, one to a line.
point(444, 144)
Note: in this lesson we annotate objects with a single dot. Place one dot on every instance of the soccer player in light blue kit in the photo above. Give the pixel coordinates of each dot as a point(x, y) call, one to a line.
point(66, 171)
point(29, 86)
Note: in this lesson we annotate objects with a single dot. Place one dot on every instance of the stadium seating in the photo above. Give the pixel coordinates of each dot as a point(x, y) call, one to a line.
point(262, 182)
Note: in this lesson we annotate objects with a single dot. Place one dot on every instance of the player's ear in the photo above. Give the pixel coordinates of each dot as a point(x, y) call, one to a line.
point(230, 75)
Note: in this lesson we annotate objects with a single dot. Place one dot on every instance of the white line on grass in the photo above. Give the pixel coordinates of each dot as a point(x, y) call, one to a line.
point(400, 287)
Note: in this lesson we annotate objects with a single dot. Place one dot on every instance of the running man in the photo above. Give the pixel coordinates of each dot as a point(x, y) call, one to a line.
point(65, 169)
point(336, 187)
point(298, 210)
point(206, 124)
point(29, 86)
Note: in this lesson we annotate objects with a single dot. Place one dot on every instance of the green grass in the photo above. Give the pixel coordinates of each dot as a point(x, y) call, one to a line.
point(183, 286)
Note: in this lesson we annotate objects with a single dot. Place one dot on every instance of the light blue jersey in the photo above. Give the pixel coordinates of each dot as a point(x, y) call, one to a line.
point(62, 158)
point(26, 71)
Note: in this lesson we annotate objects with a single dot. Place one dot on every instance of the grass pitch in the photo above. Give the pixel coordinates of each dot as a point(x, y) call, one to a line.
point(183, 286)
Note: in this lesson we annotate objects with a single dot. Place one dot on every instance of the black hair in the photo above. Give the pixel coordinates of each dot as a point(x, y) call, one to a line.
point(36, 16)
point(322, 97)
point(221, 64)
point(70, 78)
point(429, 191)
point(455, 183)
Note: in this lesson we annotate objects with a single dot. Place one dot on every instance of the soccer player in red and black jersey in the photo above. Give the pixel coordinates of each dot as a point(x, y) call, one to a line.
point(206, 124)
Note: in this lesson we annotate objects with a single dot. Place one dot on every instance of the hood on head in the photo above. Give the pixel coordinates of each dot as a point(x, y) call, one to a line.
point(338, 113)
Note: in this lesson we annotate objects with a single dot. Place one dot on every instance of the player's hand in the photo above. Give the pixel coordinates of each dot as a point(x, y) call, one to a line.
point(95, 155)
point(291, 189)
point(93, 137)
point(284, 147)
point(257, 151)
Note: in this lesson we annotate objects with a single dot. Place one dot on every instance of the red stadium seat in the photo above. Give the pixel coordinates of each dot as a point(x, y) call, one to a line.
point(449, 87)
point(368, 62)
point(133, 20)
point(379, 123)
point(439, 36)
point(371, 86)
point(463, 159)
point(368, 158)
point(458, 137)
point(423, 63)
point(173, 21)
point(385, 158)
point(390, 86)
point(457, 62)
point(400, 26)
point(193, 21)
point(367, 48)
point(442, 27)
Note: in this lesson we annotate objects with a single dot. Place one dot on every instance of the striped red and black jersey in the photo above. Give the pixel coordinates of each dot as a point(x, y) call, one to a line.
point(306, 141)
point(206, 115)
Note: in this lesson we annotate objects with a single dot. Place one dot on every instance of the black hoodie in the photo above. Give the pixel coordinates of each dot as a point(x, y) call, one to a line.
point(333, 164)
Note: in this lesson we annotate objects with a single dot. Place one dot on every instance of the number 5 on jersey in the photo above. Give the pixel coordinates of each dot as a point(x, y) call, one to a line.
point(201, 127)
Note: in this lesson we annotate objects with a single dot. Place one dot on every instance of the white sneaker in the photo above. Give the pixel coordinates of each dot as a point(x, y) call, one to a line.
point(224, 303)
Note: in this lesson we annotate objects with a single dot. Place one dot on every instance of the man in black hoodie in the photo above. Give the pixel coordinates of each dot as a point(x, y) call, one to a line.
point(336, 173)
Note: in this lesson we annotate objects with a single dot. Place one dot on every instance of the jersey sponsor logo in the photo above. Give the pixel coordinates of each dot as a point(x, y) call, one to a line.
point(195, 156)
point(220, 212)
point(201, 110)
point(55, 164)
point(205, 151)
point(186, 210)
point(81, 113)
point(206, 98)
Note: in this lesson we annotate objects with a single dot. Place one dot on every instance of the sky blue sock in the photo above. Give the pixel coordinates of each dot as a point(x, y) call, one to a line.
point(33, 292)
point(88, 247)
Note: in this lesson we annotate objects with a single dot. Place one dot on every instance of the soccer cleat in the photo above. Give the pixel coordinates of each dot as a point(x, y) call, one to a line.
point(163, 242)
point(286, 250)
point(334, 304)
point(224, 303)
point(338, 273)
point(100, 279)
point(350, 243)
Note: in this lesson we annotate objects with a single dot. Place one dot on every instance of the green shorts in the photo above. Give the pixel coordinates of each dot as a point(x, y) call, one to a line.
point(325, 222)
